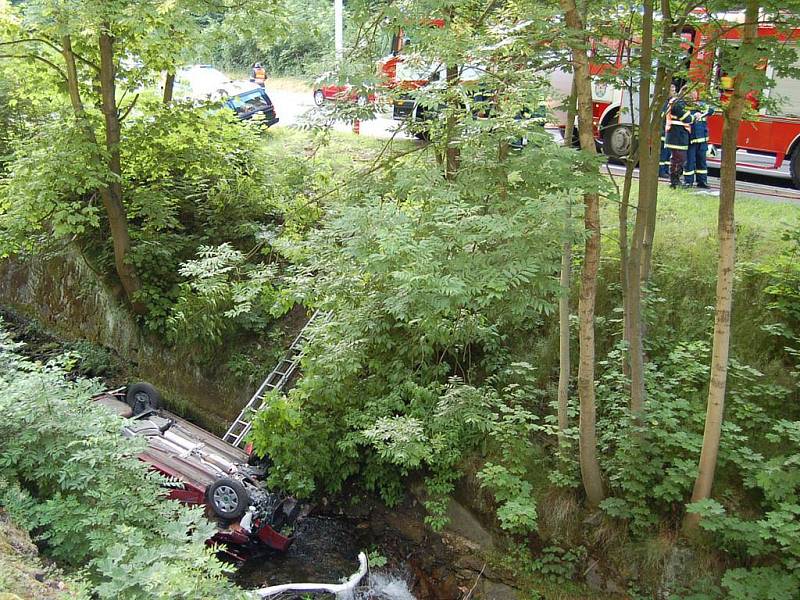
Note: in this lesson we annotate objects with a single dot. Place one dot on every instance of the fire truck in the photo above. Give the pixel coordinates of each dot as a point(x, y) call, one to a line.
point(768, 139)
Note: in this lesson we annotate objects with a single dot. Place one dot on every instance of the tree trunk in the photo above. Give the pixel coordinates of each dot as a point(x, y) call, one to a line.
point(725, 270)
point(590, 467)
point(112, 193)
point(633, 289)
point(169, 86)
point(563, 302)
point(451, 151)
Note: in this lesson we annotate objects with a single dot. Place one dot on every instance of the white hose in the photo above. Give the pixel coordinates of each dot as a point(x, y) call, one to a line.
point(331, 588)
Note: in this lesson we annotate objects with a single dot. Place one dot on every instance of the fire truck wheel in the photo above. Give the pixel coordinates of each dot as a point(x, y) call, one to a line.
point(617, 141)
point(319, 98)
point(794, 168)
point(142, 397)
point(228, 498)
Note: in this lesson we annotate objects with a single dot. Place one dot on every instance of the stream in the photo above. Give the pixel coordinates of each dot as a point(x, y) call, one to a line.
point(326, 551)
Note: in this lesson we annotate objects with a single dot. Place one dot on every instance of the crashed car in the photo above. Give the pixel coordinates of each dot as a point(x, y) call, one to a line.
point(207, 472)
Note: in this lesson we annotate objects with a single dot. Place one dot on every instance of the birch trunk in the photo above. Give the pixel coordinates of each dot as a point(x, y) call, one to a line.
point(590, 467)
point(725, 272)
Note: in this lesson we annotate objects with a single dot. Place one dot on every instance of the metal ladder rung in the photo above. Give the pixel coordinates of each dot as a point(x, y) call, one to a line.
point(276, 380)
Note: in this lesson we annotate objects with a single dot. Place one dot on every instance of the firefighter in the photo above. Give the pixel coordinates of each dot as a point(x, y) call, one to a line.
point(678, 127)
point(663, 165)
point(698, 147)
point(258, 74)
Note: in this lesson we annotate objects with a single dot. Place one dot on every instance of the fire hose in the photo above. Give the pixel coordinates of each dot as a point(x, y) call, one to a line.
point(331, 588)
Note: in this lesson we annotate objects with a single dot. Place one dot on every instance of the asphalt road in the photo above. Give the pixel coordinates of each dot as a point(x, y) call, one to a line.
point(292, 105)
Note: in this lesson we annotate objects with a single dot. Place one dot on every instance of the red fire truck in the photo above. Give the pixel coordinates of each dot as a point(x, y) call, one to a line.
point(768, 142)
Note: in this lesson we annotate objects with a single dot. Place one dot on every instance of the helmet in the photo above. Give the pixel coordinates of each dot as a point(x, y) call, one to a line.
point(257, 66)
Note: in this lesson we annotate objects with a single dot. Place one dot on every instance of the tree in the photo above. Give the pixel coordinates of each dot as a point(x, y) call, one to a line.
point(745, 79)
point(100, 54)
point(590, 467)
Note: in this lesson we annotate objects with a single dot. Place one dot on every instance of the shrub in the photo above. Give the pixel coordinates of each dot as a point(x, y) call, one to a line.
point(68, 475)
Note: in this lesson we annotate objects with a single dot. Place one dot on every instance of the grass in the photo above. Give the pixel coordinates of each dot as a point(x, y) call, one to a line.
point(345, 152)
point(686, 218)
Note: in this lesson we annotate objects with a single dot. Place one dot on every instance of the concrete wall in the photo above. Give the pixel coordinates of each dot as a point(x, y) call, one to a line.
point(63, 293)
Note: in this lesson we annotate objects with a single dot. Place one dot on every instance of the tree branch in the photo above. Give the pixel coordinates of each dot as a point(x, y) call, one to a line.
point(130, 108)
point(39, 58)
point(53, 47)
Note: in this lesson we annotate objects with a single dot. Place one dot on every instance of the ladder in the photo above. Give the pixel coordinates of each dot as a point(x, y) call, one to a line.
point(275, 381)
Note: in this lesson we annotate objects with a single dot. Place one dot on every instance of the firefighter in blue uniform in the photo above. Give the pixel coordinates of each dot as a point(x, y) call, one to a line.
point(663, 165)
point(696, 165)
point(678, 126)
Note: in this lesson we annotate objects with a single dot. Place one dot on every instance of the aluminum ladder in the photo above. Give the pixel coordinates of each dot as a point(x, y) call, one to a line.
point(275, 381)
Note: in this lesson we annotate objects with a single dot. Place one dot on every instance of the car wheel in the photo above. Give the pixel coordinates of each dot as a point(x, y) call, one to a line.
point(142, 397)
point(319, 98)
point(228, 498)
point(794, 168)
point(617, 141)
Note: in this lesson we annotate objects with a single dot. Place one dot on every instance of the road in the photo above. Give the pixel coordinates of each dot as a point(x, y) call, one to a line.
point(291, 105)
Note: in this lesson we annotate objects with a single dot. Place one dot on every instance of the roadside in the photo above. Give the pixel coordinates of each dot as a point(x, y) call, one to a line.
point(293, 98)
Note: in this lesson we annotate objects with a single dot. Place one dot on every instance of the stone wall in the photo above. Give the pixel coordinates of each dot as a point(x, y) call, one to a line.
point(68, 298)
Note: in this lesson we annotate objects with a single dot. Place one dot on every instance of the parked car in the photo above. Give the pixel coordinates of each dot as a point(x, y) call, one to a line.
point(209, 471)
point(327, 91)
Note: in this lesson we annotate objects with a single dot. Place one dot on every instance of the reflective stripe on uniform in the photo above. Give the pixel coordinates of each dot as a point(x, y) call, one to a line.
point(689, 172)
point(699, 140)
point(703, 172)
point(676, 147)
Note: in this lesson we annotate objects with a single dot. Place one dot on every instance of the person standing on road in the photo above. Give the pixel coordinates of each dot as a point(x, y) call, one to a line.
point(663, 165)
point(258, 74)
point(696, 165)
point(678, 126)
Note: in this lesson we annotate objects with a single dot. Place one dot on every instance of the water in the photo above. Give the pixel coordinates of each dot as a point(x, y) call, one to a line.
point(326, 551)
point(383, 586)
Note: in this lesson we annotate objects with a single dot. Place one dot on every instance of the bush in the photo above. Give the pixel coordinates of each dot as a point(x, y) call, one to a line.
point(68, 475)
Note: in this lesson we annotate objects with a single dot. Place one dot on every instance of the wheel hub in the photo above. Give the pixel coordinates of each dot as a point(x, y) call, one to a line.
point(225, 498)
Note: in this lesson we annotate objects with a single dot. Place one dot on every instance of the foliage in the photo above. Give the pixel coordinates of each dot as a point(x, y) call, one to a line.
point(300, 41)
point(426, 279)
point(774, 533)
point(784, 294)
point(71, 477)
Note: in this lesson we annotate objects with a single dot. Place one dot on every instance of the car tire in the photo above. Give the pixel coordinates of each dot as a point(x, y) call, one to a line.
point(228, 498)
point(794, 168)
point(142, 397)
point(319, 98)
point(617, 141)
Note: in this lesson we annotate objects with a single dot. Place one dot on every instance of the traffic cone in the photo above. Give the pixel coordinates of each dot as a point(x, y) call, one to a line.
point(357, 126)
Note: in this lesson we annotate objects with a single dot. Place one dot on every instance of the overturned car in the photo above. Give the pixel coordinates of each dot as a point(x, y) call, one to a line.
point(207, 471)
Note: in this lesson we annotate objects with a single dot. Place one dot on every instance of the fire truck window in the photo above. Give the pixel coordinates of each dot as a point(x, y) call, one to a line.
point(787, 92)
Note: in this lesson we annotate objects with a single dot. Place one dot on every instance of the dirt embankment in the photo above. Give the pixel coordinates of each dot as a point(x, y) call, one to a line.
point(23, 576)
